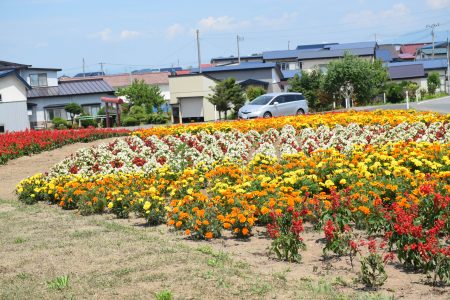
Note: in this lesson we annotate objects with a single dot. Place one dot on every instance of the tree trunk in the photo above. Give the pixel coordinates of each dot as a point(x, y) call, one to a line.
point(226, 115)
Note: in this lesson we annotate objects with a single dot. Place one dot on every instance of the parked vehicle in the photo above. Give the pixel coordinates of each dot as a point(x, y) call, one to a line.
point(274, 105)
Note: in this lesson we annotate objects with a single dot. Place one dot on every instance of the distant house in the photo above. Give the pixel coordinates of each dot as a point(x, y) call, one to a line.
point(320, 58)
point(427, 51)
point(34, 96)
point(188, 97)
point(218, 61)
point(268, 74)
point(418, 71)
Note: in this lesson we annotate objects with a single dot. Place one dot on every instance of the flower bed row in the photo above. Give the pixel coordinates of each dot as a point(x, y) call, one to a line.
point(16, 144)
point(385, 117)
point(397, 190)
point(133, 154)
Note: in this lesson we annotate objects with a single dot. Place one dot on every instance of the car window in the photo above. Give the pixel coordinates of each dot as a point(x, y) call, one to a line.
point(280, 99)
point(261, 100)
point(300, 97)
point(291, 98)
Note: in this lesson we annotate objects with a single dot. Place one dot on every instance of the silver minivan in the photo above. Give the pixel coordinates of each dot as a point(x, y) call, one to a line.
point(274, 105)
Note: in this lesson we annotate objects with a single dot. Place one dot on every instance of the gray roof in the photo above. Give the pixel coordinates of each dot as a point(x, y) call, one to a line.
point(334, 53)
point(242, 66)
point(406, 71)
point(71, 88)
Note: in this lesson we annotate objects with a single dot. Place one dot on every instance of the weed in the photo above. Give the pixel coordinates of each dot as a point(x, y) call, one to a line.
point(205, 249)
point(164, 295)
point(23, 275)
point(19, 240)
point(59, 283)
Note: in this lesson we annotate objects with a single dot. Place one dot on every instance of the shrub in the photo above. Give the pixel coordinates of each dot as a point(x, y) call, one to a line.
point(89, 122)
point(433, 82)
point(130, 121)
point(394, 92)
point(59, 123)
point(157, 118)
point(252, 92)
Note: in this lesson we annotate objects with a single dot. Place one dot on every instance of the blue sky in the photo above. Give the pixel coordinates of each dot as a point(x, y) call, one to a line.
point(137, 34)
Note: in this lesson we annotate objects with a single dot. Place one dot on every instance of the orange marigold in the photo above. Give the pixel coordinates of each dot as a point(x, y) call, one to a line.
point(209, 235)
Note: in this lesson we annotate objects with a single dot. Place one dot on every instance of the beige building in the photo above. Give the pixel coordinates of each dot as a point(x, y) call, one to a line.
point(188, 98)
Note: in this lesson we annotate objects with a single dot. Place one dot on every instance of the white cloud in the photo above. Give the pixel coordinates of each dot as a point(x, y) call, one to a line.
point(129, 34)
point(107, 35)
point(222, 23)
point(174, 30)
point(369, 17)
point(438, 4)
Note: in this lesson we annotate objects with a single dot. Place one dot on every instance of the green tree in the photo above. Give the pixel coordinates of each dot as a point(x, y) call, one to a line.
point(227, 94)
point(142, 94)
point(355, 78)
point(253, 92)
point(73, 109)
point(310, 85)
point(433, 82)
point(394, 92)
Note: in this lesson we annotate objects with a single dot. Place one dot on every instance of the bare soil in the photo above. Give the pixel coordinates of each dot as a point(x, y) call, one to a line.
point(107, 258)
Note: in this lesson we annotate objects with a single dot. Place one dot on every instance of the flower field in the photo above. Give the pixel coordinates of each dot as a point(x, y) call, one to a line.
point(379, 179)
point(16, 144)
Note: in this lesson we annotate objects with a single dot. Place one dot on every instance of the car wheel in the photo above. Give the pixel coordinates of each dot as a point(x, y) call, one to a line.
point(300, 112)
point(267, 115)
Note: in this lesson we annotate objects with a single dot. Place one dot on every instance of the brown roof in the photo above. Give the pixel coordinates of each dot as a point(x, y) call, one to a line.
point(122, 80)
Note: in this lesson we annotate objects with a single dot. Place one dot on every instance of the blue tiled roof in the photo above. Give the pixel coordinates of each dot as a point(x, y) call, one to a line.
point(334, 53)
point(428, 64)
point(280, 54)
point(350, 46)
point(242, 66)
point(314, 46)
point(287, 74)
point(436, 45)
point(384, 55)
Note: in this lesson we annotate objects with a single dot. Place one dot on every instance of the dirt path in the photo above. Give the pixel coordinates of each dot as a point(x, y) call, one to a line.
point(17, 169)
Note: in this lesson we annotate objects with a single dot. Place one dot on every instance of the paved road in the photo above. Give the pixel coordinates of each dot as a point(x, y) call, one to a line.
point(441, 105)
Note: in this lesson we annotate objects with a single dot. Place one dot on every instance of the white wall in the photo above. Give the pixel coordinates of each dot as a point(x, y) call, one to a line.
point(52, 77)
point(12, 89)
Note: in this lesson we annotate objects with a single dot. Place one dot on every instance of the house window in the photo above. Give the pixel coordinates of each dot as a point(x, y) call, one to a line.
point(300, 65)
point(56, 112)
point(92, 109)
point(0, 97)
point(284, 65)
point(38, 79)
point(2, 128)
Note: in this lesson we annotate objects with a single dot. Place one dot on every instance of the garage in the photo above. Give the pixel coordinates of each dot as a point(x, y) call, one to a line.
point(192, 109)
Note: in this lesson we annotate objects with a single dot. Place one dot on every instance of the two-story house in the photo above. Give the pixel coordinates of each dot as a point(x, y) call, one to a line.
point(43, 97)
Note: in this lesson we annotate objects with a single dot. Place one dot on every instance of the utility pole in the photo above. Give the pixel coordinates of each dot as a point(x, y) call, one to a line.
point(198, 52)
point(238, 39)
point(101, 67)
point(84, 71)
point(432, 27)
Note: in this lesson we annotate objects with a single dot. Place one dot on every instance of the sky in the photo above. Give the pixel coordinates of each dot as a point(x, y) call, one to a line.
point(138, 34)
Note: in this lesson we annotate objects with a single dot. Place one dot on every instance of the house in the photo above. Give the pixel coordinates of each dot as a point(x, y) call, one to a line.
point(188, 97)
point(160, 79)
point(428, 52)
point(408, 52)
point(13, 101)
point(219, 61)
point(37, 96)
point(267, 75)
point(418, 71)
point(310, 59)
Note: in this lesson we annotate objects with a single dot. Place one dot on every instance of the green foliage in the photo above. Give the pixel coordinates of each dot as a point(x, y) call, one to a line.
point(373, 273)
point(411, 88)
point(355, 78)
point(164, 295)
point(252, 92)
point(227, 94)
point(73, 109)
point(310, 84)
point(422, 93)
point(138, 112)
point(130, 121)
point(88, 122)
point(433, 82)
point(394, 92)
point(59, 123)
point(157, 118)
point(141, 94)
point(59, 283)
